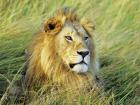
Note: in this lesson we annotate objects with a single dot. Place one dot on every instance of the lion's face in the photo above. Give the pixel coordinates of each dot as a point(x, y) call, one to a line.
point(73, 46)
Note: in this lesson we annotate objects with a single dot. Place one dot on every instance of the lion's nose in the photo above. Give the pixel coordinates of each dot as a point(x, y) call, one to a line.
point(83, 53)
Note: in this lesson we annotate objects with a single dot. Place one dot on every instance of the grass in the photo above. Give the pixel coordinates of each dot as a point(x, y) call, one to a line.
point(117, 41)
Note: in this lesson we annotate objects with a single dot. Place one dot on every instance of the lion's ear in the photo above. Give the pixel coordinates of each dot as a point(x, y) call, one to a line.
point(53, 26)
point(88, 25)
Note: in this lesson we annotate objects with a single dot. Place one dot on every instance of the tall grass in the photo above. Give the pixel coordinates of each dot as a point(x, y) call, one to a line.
point(117, 41)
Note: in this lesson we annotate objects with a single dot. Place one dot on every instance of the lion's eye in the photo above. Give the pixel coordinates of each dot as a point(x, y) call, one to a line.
point(68, 38)
point(85, 38)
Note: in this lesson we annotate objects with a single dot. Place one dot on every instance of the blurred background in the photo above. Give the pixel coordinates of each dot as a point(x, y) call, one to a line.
point(117, 41)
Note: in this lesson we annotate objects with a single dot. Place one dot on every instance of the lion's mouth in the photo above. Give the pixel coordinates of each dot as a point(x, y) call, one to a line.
point(73, 64)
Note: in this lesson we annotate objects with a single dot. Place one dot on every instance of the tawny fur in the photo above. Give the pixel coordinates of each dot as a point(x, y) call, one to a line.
point(46, 67)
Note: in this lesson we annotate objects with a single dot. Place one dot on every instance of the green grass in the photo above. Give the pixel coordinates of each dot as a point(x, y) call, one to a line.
point(117, 42)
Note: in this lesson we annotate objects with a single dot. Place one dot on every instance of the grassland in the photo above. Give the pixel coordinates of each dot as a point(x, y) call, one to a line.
point(117, 41)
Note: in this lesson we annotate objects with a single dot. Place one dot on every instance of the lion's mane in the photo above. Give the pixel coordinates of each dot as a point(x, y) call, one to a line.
point(45, 66)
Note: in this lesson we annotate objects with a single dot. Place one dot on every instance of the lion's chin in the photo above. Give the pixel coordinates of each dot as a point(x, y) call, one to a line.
point(80, 68)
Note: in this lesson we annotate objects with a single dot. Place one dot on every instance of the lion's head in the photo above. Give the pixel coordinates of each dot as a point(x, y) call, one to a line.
point(74, 47)
point(63, 52)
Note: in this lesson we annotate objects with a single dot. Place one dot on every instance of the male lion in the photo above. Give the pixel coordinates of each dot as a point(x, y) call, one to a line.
point(63, 53)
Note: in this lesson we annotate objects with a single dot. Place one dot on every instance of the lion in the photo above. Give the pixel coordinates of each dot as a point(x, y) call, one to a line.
point(63, 53)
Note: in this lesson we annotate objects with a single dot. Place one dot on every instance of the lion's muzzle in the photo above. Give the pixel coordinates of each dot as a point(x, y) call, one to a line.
point(83, 64)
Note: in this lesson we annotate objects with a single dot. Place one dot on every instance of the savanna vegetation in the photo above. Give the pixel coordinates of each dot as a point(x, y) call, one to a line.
point(117, 43)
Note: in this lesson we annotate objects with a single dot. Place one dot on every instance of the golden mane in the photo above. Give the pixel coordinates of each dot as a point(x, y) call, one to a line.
point(45, 66)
